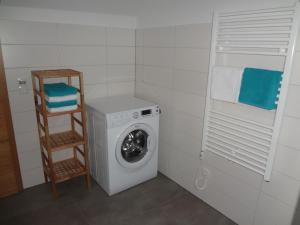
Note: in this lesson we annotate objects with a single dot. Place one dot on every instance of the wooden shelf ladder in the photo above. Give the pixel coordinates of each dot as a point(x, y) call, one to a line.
point(78, 165)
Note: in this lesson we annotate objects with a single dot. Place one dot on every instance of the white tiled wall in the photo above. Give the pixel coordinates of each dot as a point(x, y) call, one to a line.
point(105, 55)
point(171, 69)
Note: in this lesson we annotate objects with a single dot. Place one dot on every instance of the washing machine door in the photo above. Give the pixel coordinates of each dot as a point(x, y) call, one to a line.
point(135, 146)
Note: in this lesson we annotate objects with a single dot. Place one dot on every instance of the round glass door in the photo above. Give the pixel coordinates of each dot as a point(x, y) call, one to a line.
point(134, 146)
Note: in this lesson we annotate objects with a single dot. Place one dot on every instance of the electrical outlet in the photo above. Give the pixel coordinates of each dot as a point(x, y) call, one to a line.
point(22, 85)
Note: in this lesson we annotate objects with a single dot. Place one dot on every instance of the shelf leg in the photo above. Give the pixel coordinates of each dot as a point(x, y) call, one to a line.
point(88, 180)
point(39, 122)
point(84, 132)
point(54, 189)
point(46, 177)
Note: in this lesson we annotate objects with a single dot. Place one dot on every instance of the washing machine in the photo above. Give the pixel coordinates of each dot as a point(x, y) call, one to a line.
point(123, 141)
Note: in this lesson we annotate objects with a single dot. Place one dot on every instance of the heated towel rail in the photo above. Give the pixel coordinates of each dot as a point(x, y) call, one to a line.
point(249, 35)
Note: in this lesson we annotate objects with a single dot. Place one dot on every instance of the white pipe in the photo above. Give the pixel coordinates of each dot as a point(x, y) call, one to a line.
point(251, 151)
point(243, 120)
point(237, 150)
point(239, 136)
point(236, 161)
point(249, 39)
point(238, 26)
point(234, 157)
point(242, 131)
point(251, 53)
point(253, 19)
point(242, 143)
point(254, 32)
point(275, 12)
point(242, 125)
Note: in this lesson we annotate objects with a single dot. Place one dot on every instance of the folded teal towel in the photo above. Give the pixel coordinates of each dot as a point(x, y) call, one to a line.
point(259, 88)
point(61, 104)
point(59, 89)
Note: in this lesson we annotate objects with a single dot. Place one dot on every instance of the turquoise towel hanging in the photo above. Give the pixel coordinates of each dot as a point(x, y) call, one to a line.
point(59, 89)
point(259, 88)
point(61, 104)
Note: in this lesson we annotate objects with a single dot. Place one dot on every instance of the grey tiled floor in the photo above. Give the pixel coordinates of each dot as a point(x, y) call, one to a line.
point(157, 202)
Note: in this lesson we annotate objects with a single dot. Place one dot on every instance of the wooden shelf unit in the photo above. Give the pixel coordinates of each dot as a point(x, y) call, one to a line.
point(60, 171)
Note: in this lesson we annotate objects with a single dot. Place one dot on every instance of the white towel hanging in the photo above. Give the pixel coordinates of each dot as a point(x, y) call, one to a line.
point(226, 83)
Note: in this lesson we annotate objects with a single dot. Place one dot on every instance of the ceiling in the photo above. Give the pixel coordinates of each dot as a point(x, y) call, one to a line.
point(148, 12)
point(128, 7)
point(119, 7)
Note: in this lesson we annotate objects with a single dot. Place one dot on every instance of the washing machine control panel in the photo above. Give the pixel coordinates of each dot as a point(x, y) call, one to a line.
point(121, 118)
point(135, 115)
point(149, 112)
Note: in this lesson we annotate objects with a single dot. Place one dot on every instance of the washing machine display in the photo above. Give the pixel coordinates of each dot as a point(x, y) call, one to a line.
point(134, 146)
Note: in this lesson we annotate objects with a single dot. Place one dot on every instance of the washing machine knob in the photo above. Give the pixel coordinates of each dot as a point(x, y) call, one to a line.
point(135, 115)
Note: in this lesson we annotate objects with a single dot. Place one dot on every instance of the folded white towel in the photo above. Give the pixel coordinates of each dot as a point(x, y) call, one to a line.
point(226, 83)
point(61, 98)
point(62, 109)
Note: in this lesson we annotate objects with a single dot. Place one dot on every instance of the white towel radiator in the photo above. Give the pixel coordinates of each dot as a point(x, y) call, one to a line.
point(262, 38)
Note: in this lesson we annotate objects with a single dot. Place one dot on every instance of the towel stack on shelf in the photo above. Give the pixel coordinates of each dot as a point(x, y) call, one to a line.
point(252, 86)
point(60, 97)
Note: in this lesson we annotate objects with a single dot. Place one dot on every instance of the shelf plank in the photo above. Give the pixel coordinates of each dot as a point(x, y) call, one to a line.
point(79, 109)
point(63, 140)
point(56, 73)
point(68, 169)
point(49, 114)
